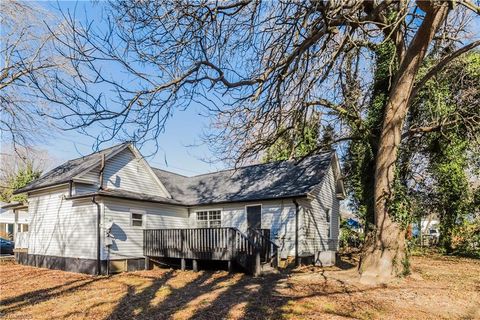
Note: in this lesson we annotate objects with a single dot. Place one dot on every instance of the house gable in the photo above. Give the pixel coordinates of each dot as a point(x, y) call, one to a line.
point(124, 170)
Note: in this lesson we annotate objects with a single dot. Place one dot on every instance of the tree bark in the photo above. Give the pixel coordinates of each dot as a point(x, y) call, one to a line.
point(384, 252)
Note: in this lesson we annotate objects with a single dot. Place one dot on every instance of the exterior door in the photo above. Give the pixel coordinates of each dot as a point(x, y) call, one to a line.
point(254, 217)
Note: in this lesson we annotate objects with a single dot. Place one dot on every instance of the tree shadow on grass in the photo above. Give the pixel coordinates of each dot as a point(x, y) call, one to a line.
point(34, 297)
point(214, 296)
point(139, 306)
point(223, 294)
point(249, 298)
point(135, 304)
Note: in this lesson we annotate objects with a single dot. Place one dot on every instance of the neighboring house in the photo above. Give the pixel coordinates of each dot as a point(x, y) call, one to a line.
point(7, 222)
point(104, 206)
point(428, 231)
point(14, 221)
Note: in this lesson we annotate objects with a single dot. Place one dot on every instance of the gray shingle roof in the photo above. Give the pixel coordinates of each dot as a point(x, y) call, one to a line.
point(283, 179)
point(70, 169)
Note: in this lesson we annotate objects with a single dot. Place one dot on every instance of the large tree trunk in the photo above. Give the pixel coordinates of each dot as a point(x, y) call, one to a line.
point(384, 250)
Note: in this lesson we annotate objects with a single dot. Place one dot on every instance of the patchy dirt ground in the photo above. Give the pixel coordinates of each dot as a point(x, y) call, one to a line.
point(439, 288)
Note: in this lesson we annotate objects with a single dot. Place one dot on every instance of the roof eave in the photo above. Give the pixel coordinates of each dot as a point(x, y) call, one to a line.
point(15, 205)
point(103, 194)
point(25, 190)
point(248, 200)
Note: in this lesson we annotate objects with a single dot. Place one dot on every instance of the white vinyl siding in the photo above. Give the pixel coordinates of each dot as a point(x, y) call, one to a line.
point(124, 171)
point(7, 216)
point(93, 175)
point(60, 227)
point(319, 227)
point(79, 188)
point(92, 182)
point(277, 215)
point(22, 216)
point(128, 242)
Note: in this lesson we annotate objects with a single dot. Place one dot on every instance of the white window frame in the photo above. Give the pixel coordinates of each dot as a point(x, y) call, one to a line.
point(21, 227)
point(144, 218)
point(208, 217)
point(261, 212)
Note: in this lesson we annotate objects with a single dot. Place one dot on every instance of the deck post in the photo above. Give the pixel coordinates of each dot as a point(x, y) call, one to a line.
point(229, 266)
point(183, 264)
point(194, 265)
point(257, 266)
point(231, 240)
point(147, 263)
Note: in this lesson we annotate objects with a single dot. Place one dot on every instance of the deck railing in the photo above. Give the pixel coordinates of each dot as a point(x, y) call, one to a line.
point(268, 248)
point(203, 244)
point(196, 243)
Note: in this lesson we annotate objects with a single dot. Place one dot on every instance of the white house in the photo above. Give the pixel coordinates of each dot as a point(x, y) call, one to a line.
point(94, 212)
point(14, 222)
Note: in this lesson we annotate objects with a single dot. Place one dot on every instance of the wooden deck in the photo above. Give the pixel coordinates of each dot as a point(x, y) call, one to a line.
point(221, 244)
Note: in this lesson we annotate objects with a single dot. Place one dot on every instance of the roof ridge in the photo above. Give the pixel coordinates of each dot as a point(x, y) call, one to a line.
point(99, 151)
point(93, 153)
point(177, 174)
point(263, 164)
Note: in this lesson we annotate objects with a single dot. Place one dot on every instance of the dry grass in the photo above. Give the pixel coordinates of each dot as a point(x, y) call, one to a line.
point(439, 288)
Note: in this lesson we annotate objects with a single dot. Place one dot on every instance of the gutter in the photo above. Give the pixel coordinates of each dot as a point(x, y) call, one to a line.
point(15, 205)
point(297, 212)
point(99, 264)
point(47, 186)
point(105, 194)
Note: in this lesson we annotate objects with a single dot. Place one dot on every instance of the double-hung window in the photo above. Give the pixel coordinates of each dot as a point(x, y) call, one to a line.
point(209, 219)
point(138, 218)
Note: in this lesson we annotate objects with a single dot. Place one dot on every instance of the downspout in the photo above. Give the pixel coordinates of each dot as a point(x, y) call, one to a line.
point(102, 168)
point(70, 187)
point(98, 235)
point(297, 213)
point(99, 263)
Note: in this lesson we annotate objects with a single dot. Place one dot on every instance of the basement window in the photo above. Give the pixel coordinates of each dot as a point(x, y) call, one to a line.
point(209, 219)
point(137, 219)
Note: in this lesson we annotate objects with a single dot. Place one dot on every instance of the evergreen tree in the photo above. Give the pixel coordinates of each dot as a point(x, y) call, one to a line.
point(24, 175)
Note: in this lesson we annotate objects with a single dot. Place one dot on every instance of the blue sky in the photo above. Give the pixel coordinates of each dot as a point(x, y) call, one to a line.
point(181, 149)
point(182, 130)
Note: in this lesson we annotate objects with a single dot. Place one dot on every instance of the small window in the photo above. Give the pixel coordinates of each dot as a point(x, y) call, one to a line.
point(137, 219)
point(209, 219)
point(22, 227)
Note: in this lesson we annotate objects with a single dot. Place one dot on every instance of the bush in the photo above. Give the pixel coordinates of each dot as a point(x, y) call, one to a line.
point(466, 239)
point(349, 238)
